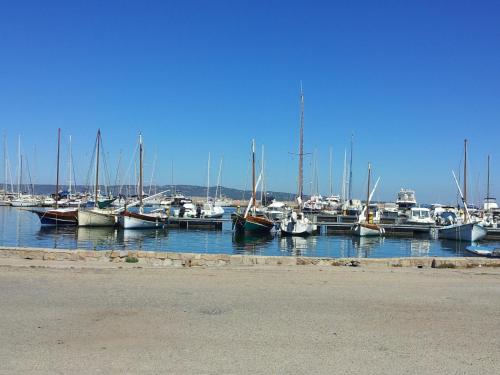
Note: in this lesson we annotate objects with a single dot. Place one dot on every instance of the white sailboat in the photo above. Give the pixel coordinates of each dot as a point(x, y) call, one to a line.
point(466, 231)
point(96, 217)
point(296, 223)
point(210, 209)
point(365, 226)
point(140, 220)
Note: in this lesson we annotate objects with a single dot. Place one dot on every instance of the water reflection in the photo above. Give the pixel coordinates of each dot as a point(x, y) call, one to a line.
point(57, 236)
point(96, 237)
point(298, 246)
point(150, 239)
point(363, 246)
point(250, 244)
point(419, 247)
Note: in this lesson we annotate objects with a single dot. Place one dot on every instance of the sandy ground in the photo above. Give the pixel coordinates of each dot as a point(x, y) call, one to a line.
point(249, 321)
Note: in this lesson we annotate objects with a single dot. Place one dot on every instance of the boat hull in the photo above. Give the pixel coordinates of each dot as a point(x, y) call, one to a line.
point(252, 224)
point(470, 232)
point(58, 217)
point(296, 228)
point(133, 220)
point(367, 230)
point(95, 218)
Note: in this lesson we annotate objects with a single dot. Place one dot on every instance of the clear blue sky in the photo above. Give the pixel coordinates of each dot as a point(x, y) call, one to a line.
point(411, 80)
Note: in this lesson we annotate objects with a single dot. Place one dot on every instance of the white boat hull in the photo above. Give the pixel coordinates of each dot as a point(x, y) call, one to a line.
point(470, 232)
point(296, 228)
point(127, 222)
point(363, 230)
point(95, 218)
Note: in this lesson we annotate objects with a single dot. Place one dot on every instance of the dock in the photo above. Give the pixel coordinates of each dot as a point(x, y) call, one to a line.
point(195, 223)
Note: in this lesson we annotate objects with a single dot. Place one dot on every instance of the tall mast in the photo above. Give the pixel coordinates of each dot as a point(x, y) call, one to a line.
point(97, 167)
point(344, 177)
point(253, 173)
point(57, 169)
point(301, 145)
point(350, 170)
point(70, 167)
point(465, 178)
point(331, 172)
point(5, 163)
point(208, 177)
point(140, 170)
point(368, 195)
point(21, 172)
point(19, 165)
point(262, 174)
point(488, 184)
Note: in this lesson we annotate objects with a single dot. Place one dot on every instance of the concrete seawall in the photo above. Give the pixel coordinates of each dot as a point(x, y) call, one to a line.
point(172, 259)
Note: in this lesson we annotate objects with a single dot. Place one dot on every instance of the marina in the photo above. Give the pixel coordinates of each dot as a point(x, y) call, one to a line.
point(21, 228)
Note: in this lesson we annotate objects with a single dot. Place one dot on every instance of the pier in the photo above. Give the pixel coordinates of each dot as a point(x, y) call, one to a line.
point(195, 223)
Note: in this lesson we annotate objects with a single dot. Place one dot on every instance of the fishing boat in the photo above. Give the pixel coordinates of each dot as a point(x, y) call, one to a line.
point(251, 221)
point(58, 216)
point(96, 216)
point(365, 226)
point(296, 223)
point(140, 220)
point(467, 230)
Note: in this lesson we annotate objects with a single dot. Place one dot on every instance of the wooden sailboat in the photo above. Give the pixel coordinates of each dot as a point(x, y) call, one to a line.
point(140, 220)
point(365, 227)
point(250, 221)
point(58, 216)
point(96, 217)
point(296, 224)
point(466, 231)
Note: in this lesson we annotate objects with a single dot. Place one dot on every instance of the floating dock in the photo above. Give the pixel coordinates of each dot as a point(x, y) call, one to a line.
point(195, 223)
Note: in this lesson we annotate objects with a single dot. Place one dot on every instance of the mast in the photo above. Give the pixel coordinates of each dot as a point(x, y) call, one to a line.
point(97, 167)
point(19, 166)
point(140, 171)
point(465, 179)
point(5, 163)
point(253, 174)
point(331, 172)
point(57, 169)
point(218, 191)
point(488, 186)
point(301, 145)
point(208, 177)
point(262, 174)
point(20, 173)
point(70, 167)
point(350, 170)
point(344, 177)
point(368, 195)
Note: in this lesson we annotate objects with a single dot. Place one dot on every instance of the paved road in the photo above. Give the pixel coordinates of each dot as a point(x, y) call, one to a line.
point(249, 321)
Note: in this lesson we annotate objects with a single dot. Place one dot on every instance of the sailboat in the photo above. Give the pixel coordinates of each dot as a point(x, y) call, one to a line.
point(140, 220)
point(96, 217)
point(296, 224)
point(58, 216)
point(365, 226)
point(466, 231)
point(250, 221)
point(210, 210)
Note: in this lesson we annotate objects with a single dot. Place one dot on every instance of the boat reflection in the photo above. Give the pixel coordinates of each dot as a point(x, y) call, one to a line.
point(57, 236)
point(137, 238)
point(243, 243)
point(363, 246)
point(96, 237)
point(419, 247)
point(298, 246)
point(455, 248)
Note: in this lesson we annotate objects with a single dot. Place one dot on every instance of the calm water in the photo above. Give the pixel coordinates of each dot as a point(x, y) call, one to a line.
point(22, 228)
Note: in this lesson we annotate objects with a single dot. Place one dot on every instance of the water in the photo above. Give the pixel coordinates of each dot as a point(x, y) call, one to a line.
point(22, 228)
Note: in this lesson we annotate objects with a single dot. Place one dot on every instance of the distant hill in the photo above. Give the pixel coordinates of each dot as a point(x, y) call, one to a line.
point(187, 190)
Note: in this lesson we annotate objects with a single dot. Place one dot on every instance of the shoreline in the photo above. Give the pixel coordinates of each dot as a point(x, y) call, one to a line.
point(120, 258)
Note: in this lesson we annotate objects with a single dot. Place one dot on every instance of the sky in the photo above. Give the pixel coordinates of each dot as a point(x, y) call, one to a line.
point(409, 80)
